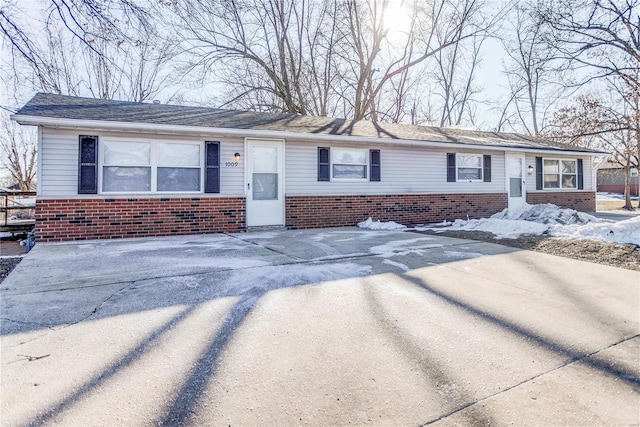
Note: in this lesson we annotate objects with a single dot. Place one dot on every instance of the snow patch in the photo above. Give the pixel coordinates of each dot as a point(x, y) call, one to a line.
point(404, 246)
point(548, 219)
point(462, 255)
point(396, 264)
point(613, 196)
point(546, 214)
point(627, 231)
point(370, 224)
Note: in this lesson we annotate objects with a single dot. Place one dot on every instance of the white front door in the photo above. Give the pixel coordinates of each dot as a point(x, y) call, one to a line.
point(515, 180)
point(265, 183)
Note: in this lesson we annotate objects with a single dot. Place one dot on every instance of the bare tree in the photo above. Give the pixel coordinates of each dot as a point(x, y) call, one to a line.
point(276, 53)
point(610, 123)
point(454, 77)
point(105, 60)
point(535, 77)
point(601, 36)
point(19, 153)
point(436, 26)
point(321, 57)
point(84, 20)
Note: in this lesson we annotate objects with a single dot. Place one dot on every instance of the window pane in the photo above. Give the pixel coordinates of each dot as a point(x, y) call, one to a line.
point(178, 179)
point(568, 166)
point(469, 161)
point(88, 150)
point(126, 153)
point(568, 181)
point(349, 171)
point(469, 173)
point(178, 155)
point(551, 166)
point(88, 178)
point(126, 179)
point(350, 157)
point(265, 186)
point(514, 166)
point(551, 181)
point(515, 187)
point(265, 159)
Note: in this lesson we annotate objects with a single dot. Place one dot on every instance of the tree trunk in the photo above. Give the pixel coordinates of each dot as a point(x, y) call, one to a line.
point(627, 188)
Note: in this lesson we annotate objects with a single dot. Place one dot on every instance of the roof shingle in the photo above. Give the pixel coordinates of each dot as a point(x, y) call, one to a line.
point(69, 107)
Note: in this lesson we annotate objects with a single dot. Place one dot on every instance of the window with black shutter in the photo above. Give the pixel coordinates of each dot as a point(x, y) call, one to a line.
point(323, 164)
point(486, 164)
point(580, 175)
point(375, 165)
point(451, 167)
point(539, 173)
point(212, 167)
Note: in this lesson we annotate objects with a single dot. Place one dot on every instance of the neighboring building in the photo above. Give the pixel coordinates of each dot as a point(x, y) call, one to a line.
point(611, 179)
point(122, 169)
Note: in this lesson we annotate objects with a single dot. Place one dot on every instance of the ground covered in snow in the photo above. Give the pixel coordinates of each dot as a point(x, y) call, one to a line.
point(550, 229)
point(551, 220)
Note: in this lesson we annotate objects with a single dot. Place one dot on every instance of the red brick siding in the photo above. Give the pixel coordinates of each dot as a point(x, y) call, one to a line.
point(80, 219)
point(584, 201)
point(337, 211)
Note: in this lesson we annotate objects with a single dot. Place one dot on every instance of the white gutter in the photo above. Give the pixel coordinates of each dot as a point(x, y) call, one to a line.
point(259, 133)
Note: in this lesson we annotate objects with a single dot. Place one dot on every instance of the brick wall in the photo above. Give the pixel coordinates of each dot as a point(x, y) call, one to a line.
point(337, 211)
point(584, 201)
point(80, 219)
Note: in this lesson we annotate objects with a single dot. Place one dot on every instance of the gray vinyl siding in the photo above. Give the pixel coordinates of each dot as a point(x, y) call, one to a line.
point(404, 170)
point(59, 162)
point(587, 164)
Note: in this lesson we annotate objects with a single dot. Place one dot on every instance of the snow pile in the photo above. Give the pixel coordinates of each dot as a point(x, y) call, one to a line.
point(548, 219)
point(627, 231)
point(501, 228)
point(546, 214)
point(378, 225)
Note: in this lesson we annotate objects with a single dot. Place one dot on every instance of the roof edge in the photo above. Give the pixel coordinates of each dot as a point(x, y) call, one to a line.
point(251, 133)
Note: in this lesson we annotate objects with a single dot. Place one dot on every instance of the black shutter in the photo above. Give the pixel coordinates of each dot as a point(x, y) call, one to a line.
point(88, 165)
point(487, 168)
point(323, 164)
point(375, 165)
point(212, 167)
point(451, 167)
point(538, 173)
point(580, 175)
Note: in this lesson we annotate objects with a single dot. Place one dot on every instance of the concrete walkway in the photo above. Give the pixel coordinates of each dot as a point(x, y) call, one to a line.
point(318, 327)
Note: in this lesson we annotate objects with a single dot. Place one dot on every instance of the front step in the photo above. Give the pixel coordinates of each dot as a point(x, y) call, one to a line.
point(267, 228)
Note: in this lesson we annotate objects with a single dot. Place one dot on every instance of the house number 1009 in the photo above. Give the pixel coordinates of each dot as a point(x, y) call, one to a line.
point(231, 164)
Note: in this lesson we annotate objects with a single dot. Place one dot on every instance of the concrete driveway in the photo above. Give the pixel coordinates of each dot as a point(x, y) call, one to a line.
point(318, 327)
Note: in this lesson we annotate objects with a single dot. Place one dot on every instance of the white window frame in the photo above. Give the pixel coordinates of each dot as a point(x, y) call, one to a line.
point(332, 155)
point(480, 156)
point(159, 166)
point(560, 174)
point(153, 165)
